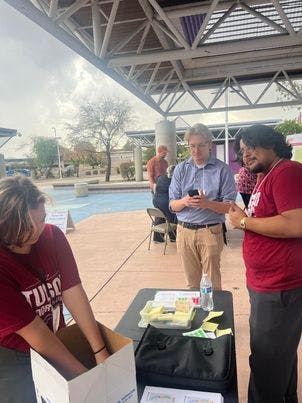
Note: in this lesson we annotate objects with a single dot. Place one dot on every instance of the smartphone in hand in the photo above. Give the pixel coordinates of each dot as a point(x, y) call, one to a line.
point(193, 192)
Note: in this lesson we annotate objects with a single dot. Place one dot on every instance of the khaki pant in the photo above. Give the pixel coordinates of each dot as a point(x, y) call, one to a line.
point(200, 252)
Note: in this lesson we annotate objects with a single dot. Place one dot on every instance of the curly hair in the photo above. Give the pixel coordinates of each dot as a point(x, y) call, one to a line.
point(18, 195)
point(264, 137)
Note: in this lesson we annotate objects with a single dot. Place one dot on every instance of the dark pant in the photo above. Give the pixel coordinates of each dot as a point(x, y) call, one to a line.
point(275, 331)
point(16, 383)
point(157, 237)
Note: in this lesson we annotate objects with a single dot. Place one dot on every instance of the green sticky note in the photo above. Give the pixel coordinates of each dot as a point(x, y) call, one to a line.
point(196, 333)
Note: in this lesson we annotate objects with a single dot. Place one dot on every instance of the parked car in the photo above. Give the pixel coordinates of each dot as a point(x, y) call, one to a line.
point(22, 171)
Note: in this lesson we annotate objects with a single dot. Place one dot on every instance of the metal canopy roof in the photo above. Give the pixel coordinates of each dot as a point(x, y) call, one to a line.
point(6, 135)
point(172, 54)
point(146, 138)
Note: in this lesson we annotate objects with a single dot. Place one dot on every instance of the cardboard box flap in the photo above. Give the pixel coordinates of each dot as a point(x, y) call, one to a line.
point(78, 345)
point(110, 382)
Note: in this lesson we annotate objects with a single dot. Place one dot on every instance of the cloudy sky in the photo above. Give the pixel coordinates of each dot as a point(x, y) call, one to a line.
point(42, 82)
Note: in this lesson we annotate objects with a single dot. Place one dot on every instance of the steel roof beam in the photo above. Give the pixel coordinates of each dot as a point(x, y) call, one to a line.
point(109, 28)
point(96, 24)
point(53, 8)
point(70, 11)
point(283, 17)
point(204, 24)
point(169, 23)
point(241, 46)
point(263, 18)
point(153, 75)
point(202, 7)
point(140, 48)
point(218, 23)
point(235, 108)
point(128, 38)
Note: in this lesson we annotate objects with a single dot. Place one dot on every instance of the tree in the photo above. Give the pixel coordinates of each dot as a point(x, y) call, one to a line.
point(103, 123)
point(182, 153)
point(289, 127)
point(289, 91)
point(148, 153)
point(45, 154)
point(128, 146)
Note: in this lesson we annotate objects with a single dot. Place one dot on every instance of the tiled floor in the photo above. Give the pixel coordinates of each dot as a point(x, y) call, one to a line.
point(114, 262)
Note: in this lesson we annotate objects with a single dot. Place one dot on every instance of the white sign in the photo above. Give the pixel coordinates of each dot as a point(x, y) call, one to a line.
point(61, 219)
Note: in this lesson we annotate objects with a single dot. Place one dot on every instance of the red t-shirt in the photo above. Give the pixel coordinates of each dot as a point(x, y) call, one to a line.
point(30, 284)
point(156, 167)
point(274, 264)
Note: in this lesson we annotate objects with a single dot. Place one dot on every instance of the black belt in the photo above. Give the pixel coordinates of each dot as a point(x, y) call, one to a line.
point(195, 226)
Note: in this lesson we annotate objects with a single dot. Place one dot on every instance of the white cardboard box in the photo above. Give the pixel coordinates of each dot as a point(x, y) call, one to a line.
point(110, 382)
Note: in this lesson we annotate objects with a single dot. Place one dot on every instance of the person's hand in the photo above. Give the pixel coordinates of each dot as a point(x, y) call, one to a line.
point(101, 356)
point(235, 215)
point(187, 200)
point(197, 201)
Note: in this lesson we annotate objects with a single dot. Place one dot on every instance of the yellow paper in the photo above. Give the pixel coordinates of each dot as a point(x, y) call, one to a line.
point(156, 311)
point(213, 314)
point(209, 327)
point(222, 332)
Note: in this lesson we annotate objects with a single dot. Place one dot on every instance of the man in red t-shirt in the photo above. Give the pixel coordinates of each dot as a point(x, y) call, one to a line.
point(272, 254)
point(157, 166)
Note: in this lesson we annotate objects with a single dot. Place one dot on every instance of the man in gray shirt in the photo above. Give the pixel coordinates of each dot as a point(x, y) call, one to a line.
point(200, 217)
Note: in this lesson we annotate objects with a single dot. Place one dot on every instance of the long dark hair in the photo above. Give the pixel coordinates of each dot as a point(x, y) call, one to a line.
point(264, 137)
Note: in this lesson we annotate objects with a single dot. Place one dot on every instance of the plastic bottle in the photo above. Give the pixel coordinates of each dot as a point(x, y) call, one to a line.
point(206, 293)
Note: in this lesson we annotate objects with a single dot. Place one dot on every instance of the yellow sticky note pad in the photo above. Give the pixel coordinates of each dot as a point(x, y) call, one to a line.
point(209, 327)
point(213, 314)
point(222, 332)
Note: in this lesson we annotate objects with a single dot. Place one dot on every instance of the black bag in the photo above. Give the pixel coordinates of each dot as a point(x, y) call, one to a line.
point(185, 362)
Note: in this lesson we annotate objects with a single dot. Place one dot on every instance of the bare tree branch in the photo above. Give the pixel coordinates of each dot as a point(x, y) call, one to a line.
point(103, 123)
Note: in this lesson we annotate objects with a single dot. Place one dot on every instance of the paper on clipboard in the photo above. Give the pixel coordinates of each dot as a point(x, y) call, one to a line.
point(168, 395)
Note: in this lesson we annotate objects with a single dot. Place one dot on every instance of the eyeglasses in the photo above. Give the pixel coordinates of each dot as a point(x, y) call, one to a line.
point(197, 146)
point(244, 150)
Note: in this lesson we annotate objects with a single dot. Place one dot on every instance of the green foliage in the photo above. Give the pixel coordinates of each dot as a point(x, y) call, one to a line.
point(128, 146)
point(148, 153)
point(182, 153)
point(45, 152)
point(127, 170)
point(289, 127)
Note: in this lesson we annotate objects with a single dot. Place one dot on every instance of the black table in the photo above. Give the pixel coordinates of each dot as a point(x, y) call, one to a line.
point(223, 301)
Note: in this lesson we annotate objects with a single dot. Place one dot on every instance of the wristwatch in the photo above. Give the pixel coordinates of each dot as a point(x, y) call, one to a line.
point(243, 223)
